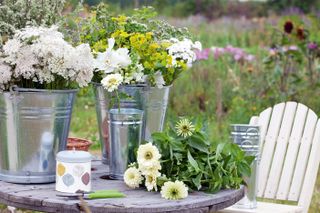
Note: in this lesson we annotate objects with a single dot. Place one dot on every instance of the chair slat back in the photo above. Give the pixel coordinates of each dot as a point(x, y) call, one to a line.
point(268, 146)
point(290, 152)
point(311, 172)
point(280, 149)
point(303, 156)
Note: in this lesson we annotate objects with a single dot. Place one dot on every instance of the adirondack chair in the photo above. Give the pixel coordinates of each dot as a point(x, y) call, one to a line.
point(290, 156)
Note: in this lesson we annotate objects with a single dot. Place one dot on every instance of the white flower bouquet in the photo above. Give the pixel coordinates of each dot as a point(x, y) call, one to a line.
point(39, 57)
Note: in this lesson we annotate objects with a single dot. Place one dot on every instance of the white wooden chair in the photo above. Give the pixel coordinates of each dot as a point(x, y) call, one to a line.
point(290, 145)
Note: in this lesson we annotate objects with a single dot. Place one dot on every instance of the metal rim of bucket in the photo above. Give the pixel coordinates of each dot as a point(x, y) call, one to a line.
point(133, 85)
point(31, 90)
point(126, 114)
point(127, 85)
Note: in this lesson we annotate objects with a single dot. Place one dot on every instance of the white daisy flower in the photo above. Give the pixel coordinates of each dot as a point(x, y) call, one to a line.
point(174, 190)
point(151, 182)
point(152, 168)
point(148, 156)
point(184, 128)
point(132, 177)
point(111, 82)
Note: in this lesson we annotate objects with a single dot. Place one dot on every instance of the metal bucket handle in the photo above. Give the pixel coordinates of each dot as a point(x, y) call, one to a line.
point(252, 130)
point(13, 90)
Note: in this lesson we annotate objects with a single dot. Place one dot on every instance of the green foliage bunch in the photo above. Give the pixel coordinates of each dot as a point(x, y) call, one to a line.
point(17, 14)
point(199, 162)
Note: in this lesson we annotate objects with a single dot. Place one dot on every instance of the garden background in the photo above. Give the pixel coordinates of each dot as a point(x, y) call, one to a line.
point(256, 54)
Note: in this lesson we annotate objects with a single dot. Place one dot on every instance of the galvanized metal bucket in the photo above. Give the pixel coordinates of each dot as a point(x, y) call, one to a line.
point(34, 126)
point(248, 138)
point(156, 103)
point(135, 99)
point(125, 137)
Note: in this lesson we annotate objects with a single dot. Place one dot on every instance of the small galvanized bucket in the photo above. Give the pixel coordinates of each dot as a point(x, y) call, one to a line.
point(248, 138)
point(34, 126)
point(135, 99)
point(125, 129)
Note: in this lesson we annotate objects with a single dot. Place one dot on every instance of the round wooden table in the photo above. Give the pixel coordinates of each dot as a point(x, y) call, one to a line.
point(43, 197)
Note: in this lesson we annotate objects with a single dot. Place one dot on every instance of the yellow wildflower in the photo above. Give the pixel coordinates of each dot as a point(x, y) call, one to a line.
point(120, 19)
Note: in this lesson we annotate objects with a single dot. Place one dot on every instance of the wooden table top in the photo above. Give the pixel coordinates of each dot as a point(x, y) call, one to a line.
point(42, 197)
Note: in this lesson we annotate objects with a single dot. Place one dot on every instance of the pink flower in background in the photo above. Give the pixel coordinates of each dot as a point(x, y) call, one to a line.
point(273, 51)
point(202, 54)
point(249, 58)
point(234, 50)
point(293, 48)
point(237, 54)
point(217, 52)
point(238, 57)
point(312, 46)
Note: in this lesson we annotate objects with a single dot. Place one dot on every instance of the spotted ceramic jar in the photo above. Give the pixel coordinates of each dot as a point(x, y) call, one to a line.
point(73, 171)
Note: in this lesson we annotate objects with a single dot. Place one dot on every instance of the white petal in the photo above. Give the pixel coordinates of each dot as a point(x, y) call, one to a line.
point(111, 43)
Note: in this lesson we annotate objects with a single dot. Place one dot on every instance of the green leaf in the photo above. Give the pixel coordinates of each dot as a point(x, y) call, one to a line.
point(193, 163)
point(220, 148)
point(197, 181)
point(249, 159)
point(177, 145)
point(198, 143)
point(159, 136)
point(244, 169)
point(198, 123)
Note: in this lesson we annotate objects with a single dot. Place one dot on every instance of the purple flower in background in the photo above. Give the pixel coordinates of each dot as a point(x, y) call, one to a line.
point(237, 53)
point(237, 57)
point(293, 48)
point(202, 54)
point(312, 46)
point(249, 58)
point(273, 51)
point(292, 11)
point(217, 52)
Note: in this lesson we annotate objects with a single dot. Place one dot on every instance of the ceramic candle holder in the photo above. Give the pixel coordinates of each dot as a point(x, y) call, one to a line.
point(73, 171)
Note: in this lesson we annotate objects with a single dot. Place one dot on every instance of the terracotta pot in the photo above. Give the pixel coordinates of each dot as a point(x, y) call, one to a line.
point(78, 144)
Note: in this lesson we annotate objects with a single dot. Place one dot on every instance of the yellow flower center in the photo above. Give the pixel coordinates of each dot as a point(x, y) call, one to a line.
point(113, 81)
point(174, 192)
point(185, 128)
point(148, 155)
point(150, 179)
point(131, 176)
